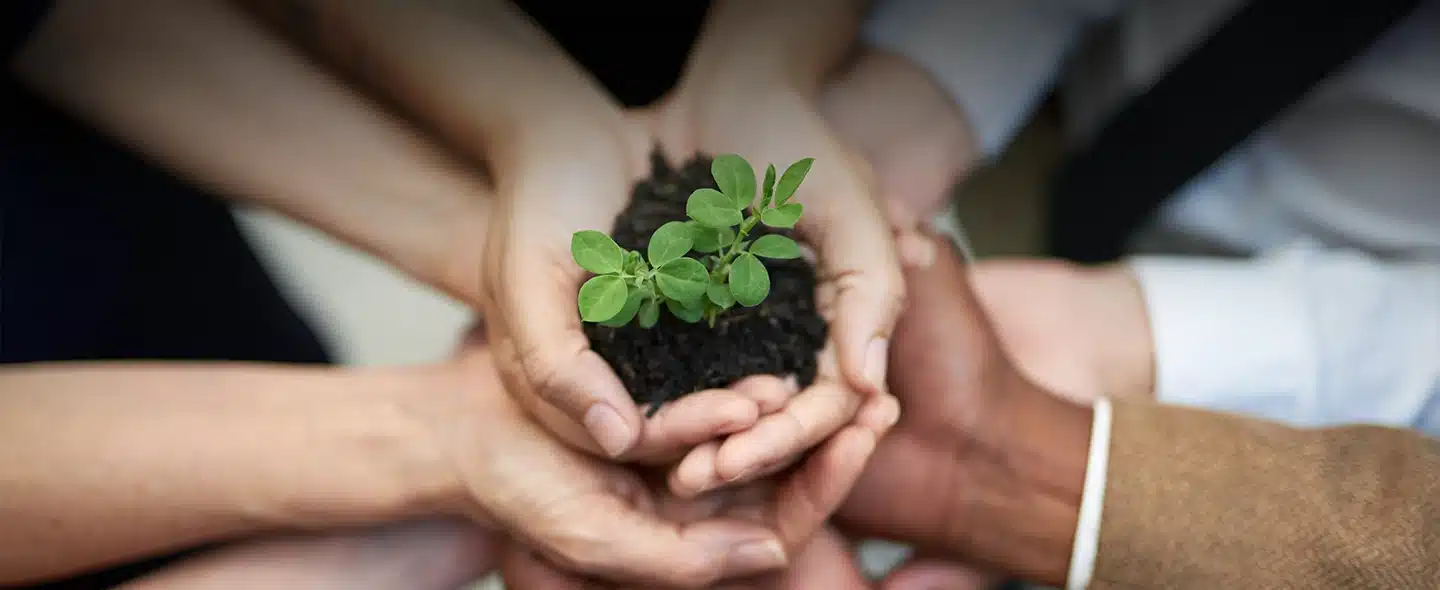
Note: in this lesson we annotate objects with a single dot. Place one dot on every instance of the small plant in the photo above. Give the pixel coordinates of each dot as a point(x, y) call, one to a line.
point(629, 286)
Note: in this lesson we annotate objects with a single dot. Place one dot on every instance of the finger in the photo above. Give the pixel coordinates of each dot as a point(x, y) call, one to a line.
point(767, 391)
point(879, 414)
point(555, 356)
point(807, 498)
point(914, 249)
point(932, 574)
point(694, 419)
point(696, 472)
point(807, 420)
point(859, 261)
point(656, 551)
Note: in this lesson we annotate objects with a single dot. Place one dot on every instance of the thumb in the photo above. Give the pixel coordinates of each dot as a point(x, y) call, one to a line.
point(555, 361)
point(861, 269)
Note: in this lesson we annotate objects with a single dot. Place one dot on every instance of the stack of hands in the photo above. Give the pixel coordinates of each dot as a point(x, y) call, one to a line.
point(531, 434)
point(738, 486)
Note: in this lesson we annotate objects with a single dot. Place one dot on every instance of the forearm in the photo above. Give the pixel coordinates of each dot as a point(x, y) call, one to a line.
point(107, 462)
point(203, 91)
point(794, 43)
point(1021, 515)
point(416, 556)
point(479, 72)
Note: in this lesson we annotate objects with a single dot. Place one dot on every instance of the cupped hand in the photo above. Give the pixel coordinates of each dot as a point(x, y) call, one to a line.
point(561, 176)
point(970, 412)
point(826, 563)
point(592, 516)
point(860, 293)
point(826, 560)
point(573, 529)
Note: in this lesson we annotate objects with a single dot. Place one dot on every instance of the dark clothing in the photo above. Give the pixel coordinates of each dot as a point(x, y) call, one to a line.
point(105, 256)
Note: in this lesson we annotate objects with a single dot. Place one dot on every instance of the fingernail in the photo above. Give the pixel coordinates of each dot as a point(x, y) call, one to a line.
point(876, 355)
point(608, 428)
point(792, 384)
point(758, 556)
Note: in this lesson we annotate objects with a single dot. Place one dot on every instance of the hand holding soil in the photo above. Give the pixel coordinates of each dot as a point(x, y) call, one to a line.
point(551, 186)
point(857, 286)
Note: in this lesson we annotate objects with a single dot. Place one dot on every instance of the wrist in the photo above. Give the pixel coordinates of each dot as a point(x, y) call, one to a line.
point(1026, 502)
point(761, 44)
point(1126, 353)
point(387, 464)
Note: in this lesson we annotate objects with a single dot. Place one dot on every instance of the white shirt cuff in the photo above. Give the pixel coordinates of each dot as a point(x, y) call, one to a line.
point(1092, 501)
point(1229, 336)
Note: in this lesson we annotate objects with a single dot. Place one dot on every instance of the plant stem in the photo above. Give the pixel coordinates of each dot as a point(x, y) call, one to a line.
point(734, 249)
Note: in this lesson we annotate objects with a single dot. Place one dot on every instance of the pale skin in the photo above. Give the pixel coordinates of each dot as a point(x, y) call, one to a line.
point(419, 244)
point(367, 151)
point(342, 448)
point(421, 555)
point(437, 60)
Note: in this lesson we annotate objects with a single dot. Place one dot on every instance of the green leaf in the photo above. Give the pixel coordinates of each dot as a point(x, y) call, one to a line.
point(719, 294)
point(596, 252)
point(708, 239)
point(783, 217)
point(602, 298)
point(790, 181)
point(684, 279)
point(711, 208)
point(633, 261)
point(649, 313)
point(736, 179)
point(669, 242)
point(768, 187)
point(687, 314)
point(775, 246)
point(627, 313)
point(749, 281)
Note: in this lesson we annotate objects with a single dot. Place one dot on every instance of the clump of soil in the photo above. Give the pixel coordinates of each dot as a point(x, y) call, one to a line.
point(781, 336)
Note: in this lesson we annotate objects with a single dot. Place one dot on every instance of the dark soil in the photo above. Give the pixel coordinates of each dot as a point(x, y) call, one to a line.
point(781, 336)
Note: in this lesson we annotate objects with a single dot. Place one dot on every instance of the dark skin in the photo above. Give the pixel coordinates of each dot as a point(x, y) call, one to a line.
point(984, 467)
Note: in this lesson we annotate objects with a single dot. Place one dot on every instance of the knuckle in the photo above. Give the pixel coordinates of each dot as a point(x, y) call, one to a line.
point(545, 367)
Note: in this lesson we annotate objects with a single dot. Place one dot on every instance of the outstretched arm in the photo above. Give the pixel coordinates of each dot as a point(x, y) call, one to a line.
point(480, 73)
point(203, 90)
point(423, 555)
point(105, 463)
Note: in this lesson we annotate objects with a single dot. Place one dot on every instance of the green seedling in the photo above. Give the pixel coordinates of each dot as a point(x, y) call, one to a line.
point(631, 287)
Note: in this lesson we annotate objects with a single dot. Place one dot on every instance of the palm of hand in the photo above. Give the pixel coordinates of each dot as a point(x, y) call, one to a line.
point(554, 187)
point(534, 272)
point(860, 290)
